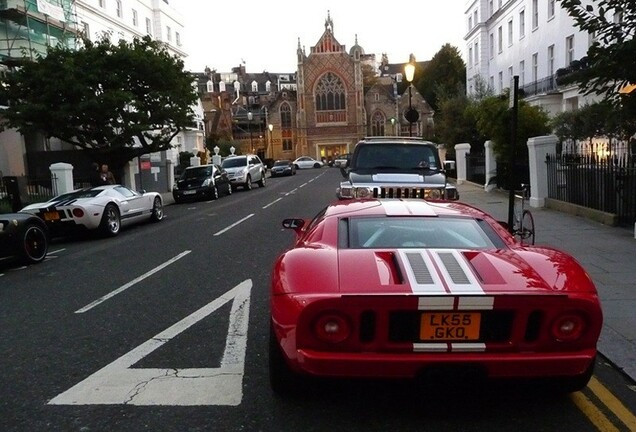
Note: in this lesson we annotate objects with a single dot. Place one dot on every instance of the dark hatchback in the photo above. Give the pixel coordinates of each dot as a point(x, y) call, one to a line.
point(203, 181)
point(283, 168)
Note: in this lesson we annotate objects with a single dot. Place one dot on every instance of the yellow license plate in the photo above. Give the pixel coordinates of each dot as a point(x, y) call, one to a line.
point(51, 216)
point(450, 326)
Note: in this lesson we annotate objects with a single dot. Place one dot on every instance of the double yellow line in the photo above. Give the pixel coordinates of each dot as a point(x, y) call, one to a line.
point(611, 402)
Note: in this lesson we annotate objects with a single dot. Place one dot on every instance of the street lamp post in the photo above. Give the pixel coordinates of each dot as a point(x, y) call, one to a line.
point(411, 115)
point(249, 126)
point(271, 143)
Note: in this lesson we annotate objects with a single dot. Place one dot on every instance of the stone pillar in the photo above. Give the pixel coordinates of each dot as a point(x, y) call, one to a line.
point(538, 147)
point(195, 161)
point(461, 150)
point(491, 166)
point(62, 178)
point(171, 179)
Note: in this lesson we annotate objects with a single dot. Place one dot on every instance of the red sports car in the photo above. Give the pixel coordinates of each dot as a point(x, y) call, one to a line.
point(399, 288)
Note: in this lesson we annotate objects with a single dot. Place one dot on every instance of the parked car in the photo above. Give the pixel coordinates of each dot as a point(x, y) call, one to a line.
point(307, 162)
point(402, 288)
point(244, 170)
point(103, 208)
point(283, 168)
point(203, 181)
point(23, 237)
point(342, 160)
point(395, 167)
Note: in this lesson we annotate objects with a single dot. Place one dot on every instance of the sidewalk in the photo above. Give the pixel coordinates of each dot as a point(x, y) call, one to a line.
point(607, 253)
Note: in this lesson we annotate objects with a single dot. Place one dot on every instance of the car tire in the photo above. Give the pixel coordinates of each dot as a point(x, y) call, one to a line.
point(215, 193)
point(230, 189)
point(575, 383)
point(248, 183)
point(111, 221)
point(157, 210)
point(282, 380)
point(261, 182)
point(297, 167)
point(316, 165)
point(34, 244)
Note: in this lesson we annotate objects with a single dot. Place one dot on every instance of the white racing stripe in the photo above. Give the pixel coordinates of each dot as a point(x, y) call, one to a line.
point(233, 225)
point(430, 347)
point(468, 347)
point(420, 272)
point(436, 303)
point(131, 283)
point(456, 273)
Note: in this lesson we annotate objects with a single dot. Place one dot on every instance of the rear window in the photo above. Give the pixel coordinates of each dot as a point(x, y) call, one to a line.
point(234, 162)
point(417, 232)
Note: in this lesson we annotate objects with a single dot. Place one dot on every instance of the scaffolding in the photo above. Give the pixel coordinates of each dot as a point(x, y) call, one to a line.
point(28, 27)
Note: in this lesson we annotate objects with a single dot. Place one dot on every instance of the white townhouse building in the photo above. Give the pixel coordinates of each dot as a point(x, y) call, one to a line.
point(120, 19)
point(528, 38)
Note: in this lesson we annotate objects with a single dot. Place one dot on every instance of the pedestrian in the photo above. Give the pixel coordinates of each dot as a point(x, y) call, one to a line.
point(94, 177)
point(106, 177)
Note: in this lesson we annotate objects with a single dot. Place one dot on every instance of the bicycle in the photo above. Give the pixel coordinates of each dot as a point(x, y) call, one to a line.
point(524, 221)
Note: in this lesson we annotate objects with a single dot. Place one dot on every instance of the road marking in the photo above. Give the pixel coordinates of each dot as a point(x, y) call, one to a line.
point(233, 225)
point(613, 403)
point(57, 251)
point(131, 283)
point(272, 203)
point(118, 383)
point(592, 412)
point(291, 192)
point(302, 185)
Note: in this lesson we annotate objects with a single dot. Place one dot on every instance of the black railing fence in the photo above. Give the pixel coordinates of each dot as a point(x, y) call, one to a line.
point(17, 192)
point(476, 168)
point(596, 180)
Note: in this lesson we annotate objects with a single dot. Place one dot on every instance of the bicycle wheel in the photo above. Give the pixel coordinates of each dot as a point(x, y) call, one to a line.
point(527, 235)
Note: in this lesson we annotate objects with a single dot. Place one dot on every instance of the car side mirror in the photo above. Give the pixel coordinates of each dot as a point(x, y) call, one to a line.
point(344, 172)
point(295, 224)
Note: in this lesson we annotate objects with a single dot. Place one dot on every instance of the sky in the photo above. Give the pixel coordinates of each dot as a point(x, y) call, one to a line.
point(265, 35)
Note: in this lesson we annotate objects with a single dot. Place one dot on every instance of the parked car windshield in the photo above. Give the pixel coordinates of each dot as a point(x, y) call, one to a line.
point(197, 172)
point(417, 232)
point(282, 163)
point(396, 156)
point(234, 162)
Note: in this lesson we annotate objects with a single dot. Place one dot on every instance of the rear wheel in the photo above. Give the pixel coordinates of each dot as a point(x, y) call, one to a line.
point(215, 193)
point(248, 183)
point(157, 210)
point(35, 244)
point(527, 234)
point(316, 165)
point(282, 380)
point(261, 182)
point(229, 189)
point(111, 221)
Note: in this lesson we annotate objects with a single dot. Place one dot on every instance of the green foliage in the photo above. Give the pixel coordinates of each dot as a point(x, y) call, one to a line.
point(444, 76)
point(602, 118)
point(611, 60)
point(369, 77)
point(456, 123)
point(224, 145)
point(494, 120)
point(103, 97)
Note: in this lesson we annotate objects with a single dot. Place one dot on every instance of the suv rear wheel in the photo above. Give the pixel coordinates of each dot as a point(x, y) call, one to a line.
point(261, 182)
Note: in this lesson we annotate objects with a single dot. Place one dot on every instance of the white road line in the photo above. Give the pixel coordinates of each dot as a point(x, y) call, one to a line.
point(131, 283)
point(233, 225)
point(121, 383)
point(272, 203)
point(302, 185)
point(57, 251)
point(291, 192)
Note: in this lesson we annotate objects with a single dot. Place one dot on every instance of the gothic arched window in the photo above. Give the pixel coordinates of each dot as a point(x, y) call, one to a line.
point(330, 93)
point(285, 116)
point(377, 124)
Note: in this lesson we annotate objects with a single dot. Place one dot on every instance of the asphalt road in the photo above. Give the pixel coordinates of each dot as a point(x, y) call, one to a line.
point(165, 327)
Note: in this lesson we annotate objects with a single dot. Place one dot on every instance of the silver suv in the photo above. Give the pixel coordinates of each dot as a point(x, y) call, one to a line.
point(395, 167)
point(244, 170)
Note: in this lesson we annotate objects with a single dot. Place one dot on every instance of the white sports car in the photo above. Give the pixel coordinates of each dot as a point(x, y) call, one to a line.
point(103, 208)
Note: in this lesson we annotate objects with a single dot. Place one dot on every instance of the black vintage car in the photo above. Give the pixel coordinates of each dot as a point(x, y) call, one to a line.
point(23, 237)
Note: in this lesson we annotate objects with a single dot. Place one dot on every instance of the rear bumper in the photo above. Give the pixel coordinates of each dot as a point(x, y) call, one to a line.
point(495, 365)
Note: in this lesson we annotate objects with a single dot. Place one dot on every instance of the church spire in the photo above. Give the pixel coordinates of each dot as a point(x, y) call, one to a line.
point(329, 23)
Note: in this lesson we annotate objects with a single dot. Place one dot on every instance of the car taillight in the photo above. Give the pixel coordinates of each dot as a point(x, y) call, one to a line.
point(568, 327)
point(78, 212)
point(332, 328)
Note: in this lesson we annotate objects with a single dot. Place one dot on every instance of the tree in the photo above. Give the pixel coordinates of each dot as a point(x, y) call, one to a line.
point(610, 63)
point(443, 77)
point(494, 119)
point(456, 123)
point(121, 101)
point(369, 76)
